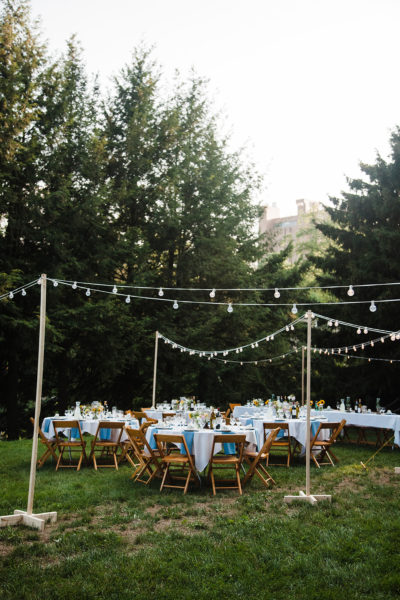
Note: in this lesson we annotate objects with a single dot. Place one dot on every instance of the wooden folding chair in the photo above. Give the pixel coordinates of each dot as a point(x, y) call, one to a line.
point(282, 443)
point(323, 447)
point(140, 415)
point(51, 445)
point(145, 460)
point(226, 462)
point(103, 442)
point(232, 408)
point(254, 460)
point(175, 464)
point(73, 445)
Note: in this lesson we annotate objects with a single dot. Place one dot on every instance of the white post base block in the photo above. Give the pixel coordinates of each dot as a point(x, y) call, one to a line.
point(312, 498)
point(21, 517)
point(397, 470)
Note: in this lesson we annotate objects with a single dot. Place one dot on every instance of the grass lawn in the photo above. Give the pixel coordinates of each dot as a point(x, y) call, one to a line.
point(115, 539)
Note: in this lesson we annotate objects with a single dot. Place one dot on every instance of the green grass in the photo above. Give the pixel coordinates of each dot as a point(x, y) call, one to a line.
point(115, 539)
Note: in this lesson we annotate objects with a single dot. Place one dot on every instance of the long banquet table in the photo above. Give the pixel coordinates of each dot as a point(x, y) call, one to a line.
point(87, 426)
point(200, 441)
point(379, 421)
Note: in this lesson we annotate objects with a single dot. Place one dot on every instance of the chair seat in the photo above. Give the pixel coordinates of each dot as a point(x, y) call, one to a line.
point(176, 458)
point(223, 460)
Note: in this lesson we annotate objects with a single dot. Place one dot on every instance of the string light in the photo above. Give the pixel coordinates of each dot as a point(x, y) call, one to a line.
point(74, 285)
point(350, 291)
point(55, 283)
point(175, 305)
point(128, 299)
point(230, 308)
point(88, 292)
point(294, 309)
point(358, 331)
point(212, 293)
point(161, 292)
point(115, 291)
point(23, 293)
point(372, 308)
point(11, 295)
point(277, 293)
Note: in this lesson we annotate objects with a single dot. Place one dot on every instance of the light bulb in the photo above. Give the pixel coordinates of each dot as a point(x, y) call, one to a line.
point(372, 308)
point(175, 305)
point(55, 283)
point(230, 308)
point(358, 331)
point(11, 295)
point(336, 323)
point(294, 309)
point(277, 293)
point(362, 346)
point(272, 337)
point(350, 291)
point(330, 323)
point(74, 285)
point(88, 292)
point(128, 299)
point(237, 350)
point(397, 336)
point(23, 293)
point(114, 290)
point(372, 344)
point(161, 292)
point(212, 293)
point(291, 328)
point(365, 330)
point(39, 281)
point(287, 328)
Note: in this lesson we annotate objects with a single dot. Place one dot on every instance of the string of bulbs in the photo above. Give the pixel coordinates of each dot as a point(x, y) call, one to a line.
point(112, 289)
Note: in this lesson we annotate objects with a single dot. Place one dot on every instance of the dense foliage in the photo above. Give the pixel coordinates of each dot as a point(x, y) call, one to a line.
point(364, 235)
point(139, 189)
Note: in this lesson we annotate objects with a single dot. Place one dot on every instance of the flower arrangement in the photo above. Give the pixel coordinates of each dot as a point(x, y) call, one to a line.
point(320, 404)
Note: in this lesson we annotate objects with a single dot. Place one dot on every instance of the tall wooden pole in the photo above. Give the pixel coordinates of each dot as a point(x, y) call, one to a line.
point(302, 375)
point(39, 383)
point(308, 440)
point(153, 402)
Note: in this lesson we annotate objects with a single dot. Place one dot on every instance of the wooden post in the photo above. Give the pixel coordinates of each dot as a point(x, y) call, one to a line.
point(308, 400)
point(26, 517)
point(39, 384)
point(153, 403)
point(302, 375)
point(308, 497)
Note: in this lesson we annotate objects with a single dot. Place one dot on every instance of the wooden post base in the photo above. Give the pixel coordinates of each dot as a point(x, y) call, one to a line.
point(397, 470)
point(21, 517)
point(312, 498)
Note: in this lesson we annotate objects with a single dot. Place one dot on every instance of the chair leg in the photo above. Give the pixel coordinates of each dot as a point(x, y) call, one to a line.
point(187, 482)
point(164, 477)
point(238, 479)
point(211, 475)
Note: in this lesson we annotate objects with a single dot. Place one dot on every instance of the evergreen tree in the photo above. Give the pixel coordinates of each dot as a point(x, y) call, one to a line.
point(364, 235)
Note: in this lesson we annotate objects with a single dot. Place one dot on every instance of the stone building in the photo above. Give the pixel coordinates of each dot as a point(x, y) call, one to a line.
point(299, 228)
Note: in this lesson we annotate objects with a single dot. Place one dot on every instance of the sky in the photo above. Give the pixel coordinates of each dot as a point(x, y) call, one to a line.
point(309, 87)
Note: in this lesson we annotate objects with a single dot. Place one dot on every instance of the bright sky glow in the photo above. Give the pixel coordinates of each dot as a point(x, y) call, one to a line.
point(310, 86)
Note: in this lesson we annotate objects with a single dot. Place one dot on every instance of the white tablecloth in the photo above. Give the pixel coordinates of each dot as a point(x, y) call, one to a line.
point(367, 420)
point(203, 440)
point(87, 426)
point(297, 428)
